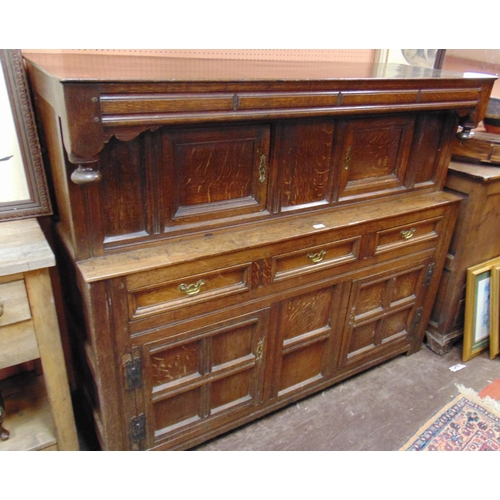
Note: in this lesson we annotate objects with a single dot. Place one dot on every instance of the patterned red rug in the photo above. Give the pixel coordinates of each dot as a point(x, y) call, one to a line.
point(468, 423)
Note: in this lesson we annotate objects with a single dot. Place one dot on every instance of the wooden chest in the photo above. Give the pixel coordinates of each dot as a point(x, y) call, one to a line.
point(237, 235)
point(474, 176)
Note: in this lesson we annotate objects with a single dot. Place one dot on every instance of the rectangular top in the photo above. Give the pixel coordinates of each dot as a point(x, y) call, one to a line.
point(478, 171)
point(121, 68)
point(23, 247)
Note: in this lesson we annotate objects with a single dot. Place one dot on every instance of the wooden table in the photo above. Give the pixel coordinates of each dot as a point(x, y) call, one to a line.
point(39, 414)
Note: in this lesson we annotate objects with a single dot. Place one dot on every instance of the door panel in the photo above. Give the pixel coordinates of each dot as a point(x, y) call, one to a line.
point(374, 155)
point(382, 312)
point(215, 173)
point(308, 339)
point(304, 163)
point(206, 374)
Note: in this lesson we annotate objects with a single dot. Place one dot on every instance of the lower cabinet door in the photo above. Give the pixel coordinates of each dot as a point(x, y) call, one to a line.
point(309, 328)
point(202, 379)
point(384, 312)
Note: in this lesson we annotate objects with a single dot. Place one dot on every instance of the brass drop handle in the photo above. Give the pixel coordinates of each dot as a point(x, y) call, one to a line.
point(317, 257)
point(192, 289)
point(406, 234)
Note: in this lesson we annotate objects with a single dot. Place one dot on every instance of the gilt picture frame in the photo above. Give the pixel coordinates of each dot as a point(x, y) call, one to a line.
point(477, 324)
point(24, 191)
point(495, 312)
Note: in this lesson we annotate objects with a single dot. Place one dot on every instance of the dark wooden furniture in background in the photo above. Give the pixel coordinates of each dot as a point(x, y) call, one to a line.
point(237, 235)
point(474, 175)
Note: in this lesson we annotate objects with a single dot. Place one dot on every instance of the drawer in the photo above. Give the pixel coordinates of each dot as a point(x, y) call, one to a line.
point(14, 304)
point(409, 234)
point(188, 290)
point(18, 343)
point(314, 257)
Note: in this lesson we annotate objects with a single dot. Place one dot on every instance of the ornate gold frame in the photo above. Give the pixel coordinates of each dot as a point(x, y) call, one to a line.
point(477, 276)
point(495, 311)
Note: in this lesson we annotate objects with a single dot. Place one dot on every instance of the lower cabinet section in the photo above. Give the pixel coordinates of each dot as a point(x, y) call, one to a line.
point(177, 354)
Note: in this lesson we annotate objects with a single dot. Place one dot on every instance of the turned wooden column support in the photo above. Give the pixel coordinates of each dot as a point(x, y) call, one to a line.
point(87, 171)
point(86, 175)
point(466, 133)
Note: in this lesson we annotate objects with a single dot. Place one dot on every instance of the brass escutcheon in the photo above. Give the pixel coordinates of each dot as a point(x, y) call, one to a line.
point(317, 257)
point(406, 234)
point(259, 350)
point(347, 159)
point(192, 289)
point(262, 169)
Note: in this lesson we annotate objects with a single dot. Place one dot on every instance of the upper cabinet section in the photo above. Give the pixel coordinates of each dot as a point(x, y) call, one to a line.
point(144, 148)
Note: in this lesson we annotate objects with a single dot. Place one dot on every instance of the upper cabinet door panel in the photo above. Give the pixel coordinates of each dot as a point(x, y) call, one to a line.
point(374, 155)
point(213, 173)
point(431, 148)
point(304, 163)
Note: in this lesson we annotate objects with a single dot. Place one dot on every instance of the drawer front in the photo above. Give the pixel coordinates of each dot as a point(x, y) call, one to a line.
point(18, 343)
point(14, 305)
point(313, 258)
point(189, 290)
point(408, 234)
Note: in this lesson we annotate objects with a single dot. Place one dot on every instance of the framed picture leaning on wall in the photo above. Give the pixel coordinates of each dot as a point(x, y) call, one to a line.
point(495, 311)
point(478, 309)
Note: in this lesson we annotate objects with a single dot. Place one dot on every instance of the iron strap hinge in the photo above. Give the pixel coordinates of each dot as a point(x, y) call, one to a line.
point(138, 428)
point(429, 274)
point(133, 374)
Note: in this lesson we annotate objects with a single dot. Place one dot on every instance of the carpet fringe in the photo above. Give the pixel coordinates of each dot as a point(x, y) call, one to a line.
point(488, 402)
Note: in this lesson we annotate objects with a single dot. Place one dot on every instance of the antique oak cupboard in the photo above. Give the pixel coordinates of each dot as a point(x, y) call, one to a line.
point(236, 235)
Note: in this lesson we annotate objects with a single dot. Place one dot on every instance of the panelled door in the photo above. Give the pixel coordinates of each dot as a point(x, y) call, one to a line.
point(215, 172)
point(384, 312)
point(202, 378)
point(309, 328)
point(374, 156)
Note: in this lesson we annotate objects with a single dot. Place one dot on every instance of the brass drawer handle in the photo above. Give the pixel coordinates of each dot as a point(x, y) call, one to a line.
point(317, 257)
point(406, 234)
point(192, 289)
